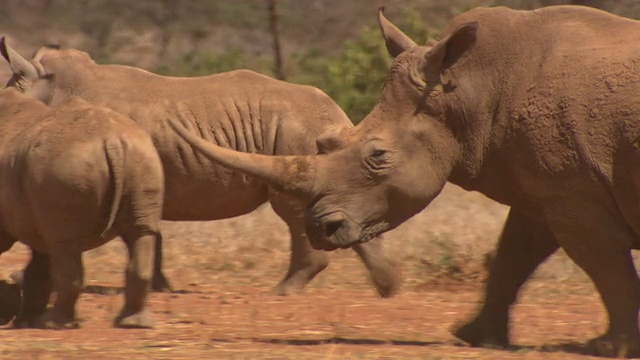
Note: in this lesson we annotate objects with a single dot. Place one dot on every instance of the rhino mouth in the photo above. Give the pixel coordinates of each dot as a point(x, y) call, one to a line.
point(372, 231)
point(323, 231)
point(337, 231)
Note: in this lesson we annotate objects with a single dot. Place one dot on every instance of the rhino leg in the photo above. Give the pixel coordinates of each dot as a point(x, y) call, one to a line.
point(159, 281)
point(523, 245)
point(600, 245)
point(305, 262)
point(616, 279)
point(68, 277)
point(17, 277)
point(138, 280)
point(10, 294)
point(10, 301)
point(384, 273)
point(36, 287)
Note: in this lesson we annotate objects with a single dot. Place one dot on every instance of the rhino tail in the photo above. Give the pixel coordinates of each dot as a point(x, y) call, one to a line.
point(115, 159)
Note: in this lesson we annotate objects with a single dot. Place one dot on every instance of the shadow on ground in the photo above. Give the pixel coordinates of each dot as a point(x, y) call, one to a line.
point(114, 290)
point(563, 347)
point(341, 340)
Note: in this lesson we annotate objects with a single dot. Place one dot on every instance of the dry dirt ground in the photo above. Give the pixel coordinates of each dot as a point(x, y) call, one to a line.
point(223, 310)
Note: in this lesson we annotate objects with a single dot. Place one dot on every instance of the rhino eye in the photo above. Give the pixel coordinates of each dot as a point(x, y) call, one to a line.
point(378, 160)
point(378, 157)
point(378, 153)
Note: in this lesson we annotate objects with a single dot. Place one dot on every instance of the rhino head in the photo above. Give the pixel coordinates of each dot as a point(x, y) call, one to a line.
point(26, 73)
point(371, 178)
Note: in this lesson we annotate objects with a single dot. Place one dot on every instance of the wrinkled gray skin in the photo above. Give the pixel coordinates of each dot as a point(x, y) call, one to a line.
point(537, 110)
point(71, 179)
point(240, 110)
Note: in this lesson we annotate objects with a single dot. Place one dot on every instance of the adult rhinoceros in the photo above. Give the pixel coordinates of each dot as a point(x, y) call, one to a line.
point(71, 179)
point(241, 110)
point(536, 109)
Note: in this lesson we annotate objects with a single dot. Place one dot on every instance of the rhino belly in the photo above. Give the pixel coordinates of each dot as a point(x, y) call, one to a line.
point(210, 199)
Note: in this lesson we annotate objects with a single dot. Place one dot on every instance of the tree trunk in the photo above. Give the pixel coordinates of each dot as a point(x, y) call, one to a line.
point(275, 33)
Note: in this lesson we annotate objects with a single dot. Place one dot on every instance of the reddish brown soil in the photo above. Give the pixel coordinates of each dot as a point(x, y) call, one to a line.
point(245, 323)
point(224, 271)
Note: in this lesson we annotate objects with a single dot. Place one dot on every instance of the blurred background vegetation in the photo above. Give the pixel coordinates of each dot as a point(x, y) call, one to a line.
point(332, 44)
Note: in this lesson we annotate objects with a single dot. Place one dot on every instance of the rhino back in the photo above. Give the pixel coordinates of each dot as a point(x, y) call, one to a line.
point(240, 109)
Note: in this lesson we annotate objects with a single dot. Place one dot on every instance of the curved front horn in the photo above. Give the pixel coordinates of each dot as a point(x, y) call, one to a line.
point(19, 65)
point(292, 175)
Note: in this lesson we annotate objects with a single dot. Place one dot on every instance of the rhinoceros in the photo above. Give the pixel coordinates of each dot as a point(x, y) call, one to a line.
point(242, 110)
point(537, 110)
point(72, 178)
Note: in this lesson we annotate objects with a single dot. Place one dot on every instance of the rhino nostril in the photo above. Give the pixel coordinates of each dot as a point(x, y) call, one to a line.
point(332, 226)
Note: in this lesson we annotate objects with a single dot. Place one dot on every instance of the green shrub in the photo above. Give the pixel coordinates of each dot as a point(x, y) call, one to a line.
point(212, 63)
point(354, 78)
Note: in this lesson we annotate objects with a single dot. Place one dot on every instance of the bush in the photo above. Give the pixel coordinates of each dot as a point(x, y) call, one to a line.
point(355, 77)
point(212, 63)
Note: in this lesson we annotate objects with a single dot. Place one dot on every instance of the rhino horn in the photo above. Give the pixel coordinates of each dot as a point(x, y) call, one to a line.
point(291, 175)
point(19, 65)
point(397, 42)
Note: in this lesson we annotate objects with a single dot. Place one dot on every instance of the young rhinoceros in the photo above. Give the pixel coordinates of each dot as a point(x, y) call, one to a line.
point(72, 178)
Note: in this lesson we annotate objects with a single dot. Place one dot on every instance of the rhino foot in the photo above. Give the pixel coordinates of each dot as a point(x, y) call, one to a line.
point(387, 282)
point(54, 320)
point(23, 323)
point(5, 320)
point(615, 346)
point(159, 283)
point(383, 272)
point(283, 290)
point(139, 320)
point(59, 325)
point(27, 321)
point(300, 273)
point(49, 320)
point(479, 333)
point(17, 277)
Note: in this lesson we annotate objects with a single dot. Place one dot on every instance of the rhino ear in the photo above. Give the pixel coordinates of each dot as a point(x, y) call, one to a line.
point(4, 49)
point(19, 65)
point(431, 43)
point(452, 48)
point(40, 52)
point(397, 42)
point(330, 140)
